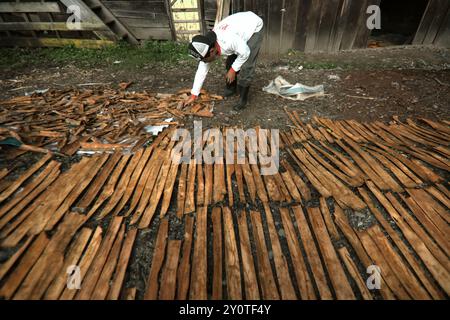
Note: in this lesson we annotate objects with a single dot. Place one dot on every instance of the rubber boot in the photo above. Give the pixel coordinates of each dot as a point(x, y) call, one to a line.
point(243, 91)
point(230, 89)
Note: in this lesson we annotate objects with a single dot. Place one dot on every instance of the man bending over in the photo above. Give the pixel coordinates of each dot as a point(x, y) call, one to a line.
point(239, 37)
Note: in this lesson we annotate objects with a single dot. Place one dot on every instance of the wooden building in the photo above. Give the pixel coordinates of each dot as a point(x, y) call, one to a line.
point(305, 25)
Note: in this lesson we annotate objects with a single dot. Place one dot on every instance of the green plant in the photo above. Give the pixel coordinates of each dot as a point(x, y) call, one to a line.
point(166, 52)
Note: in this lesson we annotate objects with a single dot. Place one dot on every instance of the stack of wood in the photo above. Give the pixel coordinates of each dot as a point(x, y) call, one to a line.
point(346, 194)
point(93, 120)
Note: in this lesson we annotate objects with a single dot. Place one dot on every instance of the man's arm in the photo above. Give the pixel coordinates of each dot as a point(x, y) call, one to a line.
point(243, 52)
point(200, 77)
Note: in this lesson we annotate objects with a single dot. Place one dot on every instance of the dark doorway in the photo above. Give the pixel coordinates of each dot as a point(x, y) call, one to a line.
point(399, 22)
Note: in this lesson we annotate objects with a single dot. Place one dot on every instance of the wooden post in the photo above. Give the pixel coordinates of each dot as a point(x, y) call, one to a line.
point(168, 4)
point(223, 10)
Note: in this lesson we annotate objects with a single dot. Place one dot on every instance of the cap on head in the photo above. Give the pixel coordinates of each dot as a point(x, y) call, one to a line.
point(201, 45)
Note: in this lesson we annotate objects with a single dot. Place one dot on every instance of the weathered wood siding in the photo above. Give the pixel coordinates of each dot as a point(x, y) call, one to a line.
point(209, 8)
point(310, 25)
point(145, 19)
point(435, 25)
point(305, 25)
point(330, 25)
point(43, 24)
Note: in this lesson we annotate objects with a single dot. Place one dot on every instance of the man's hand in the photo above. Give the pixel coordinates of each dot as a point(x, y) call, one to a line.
point(231, 75)
point(189, 100)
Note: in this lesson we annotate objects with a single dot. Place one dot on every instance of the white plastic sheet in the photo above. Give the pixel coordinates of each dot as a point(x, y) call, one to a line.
point(154, 130)
point(298, 91)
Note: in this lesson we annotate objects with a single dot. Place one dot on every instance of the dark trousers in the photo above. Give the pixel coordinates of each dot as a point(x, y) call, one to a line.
point(247, 71)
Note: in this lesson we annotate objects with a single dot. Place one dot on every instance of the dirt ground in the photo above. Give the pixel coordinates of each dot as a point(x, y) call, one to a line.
point(367, 85)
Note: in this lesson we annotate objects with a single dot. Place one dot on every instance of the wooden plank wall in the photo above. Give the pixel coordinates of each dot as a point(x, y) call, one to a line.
point(330, 25)
point(304, 25)
point(43, 24)
point(209, 9)
point(307, 25)
point(22, 12)
point(435, 25)
point(146, 19)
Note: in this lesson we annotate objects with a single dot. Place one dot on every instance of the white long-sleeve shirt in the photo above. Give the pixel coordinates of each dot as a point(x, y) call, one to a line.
point(233, 32)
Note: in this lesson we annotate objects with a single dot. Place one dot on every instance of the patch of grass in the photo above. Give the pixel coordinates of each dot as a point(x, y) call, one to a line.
point(294, 53)
point(151, 52)
point(320, 65)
